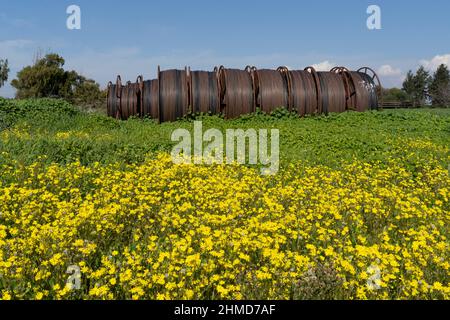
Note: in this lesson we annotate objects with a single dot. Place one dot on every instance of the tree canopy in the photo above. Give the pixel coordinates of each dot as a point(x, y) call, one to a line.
point(417, 86)
point(47, 78)
point(440, 86)
point(395, 95)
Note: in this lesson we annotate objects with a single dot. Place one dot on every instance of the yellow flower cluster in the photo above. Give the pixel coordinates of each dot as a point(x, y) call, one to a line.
point(164, 231)
point(24, 133)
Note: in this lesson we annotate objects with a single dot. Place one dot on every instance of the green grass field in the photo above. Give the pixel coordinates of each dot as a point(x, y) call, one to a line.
point(63, 134)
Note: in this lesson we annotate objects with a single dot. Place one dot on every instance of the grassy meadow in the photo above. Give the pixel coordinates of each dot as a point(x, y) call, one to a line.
point(360, 208)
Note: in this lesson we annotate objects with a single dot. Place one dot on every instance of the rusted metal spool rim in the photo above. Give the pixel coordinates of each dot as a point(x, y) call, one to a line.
point(252, 70)
point(158, 74)
point(344, 72)
point(216, 70)
point(218, 87)
point(119, 85)
point(140, 95)
point(359, 96)
point(313, 71)
point(119, 88)
point(374, 76)
point(339, 69)
point(348, 89)
point(334, 69)
point(287, 76)
point(189, 90)
point(221, 78)
point(187, 71)
point(352, 101)
point(158, 77)
point(255, 84)
point(129, 101)
point(283, 68)
point(140, 82)
point(127, 110)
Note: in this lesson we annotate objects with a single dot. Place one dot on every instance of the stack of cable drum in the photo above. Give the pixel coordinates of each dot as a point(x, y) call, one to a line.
point(235, 92)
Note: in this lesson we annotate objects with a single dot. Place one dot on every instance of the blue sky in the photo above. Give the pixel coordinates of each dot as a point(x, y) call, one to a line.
point(133, 37)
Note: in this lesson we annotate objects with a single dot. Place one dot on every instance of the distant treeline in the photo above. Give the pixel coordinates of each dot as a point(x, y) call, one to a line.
point(422, 89)
point(46, 78)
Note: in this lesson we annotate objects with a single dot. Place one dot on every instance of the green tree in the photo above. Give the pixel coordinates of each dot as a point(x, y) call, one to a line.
point(88, 94)
point(440, 86)
point(421, 86)
point(4, 71)
point(408, 85)
point(395, 95)
point(47, 78)
point(417, 86)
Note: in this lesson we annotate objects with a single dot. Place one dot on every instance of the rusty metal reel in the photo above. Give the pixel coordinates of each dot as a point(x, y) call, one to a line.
point(374, 86)
point(333, 93)
point(271, 89)
point(349, 88)
point(129, 102)
point(150, 99)
point(173, 94)
point(116, 109)
point(237, 96)
point(204, 92)
point(235, 92)
point(301, 90)
point(139, 93)
point(359, 92)
point(318, 86)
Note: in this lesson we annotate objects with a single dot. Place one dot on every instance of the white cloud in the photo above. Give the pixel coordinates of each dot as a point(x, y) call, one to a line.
point(389, 71)
point(324, 66)
point(436, 61)
point(390, 76)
